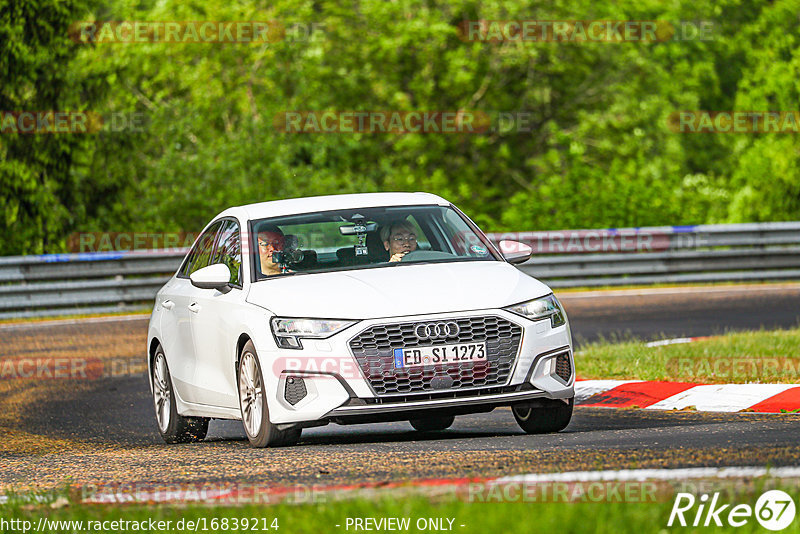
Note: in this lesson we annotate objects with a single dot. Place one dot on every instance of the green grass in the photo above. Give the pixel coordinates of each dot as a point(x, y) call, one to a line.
point(763, 356)
point(522, 517)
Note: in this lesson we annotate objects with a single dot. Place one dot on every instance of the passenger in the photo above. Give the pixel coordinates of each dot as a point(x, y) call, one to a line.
point(271, 240)
point(399, 238)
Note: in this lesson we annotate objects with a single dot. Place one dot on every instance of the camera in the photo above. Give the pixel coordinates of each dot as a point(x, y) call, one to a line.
point(290, 252)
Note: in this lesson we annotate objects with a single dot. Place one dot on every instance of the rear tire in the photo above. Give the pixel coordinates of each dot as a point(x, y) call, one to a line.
point(432, 424)
point(173, 427)
point(253, 405)
point(543, 420)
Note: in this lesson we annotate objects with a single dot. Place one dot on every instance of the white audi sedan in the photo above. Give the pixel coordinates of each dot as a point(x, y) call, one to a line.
point(354, 309)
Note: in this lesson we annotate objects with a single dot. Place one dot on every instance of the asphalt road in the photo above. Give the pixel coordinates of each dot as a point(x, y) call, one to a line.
point(103, 431)
point(107, 434)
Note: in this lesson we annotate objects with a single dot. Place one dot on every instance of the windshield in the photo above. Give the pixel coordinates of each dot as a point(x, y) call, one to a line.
point(364, 238)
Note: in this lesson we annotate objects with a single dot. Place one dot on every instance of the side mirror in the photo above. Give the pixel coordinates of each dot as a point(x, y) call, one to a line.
point(215, 276)
point(515, 252)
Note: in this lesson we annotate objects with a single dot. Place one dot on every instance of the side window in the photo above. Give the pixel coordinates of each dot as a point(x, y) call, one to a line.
point(200, 255)
point(462, 238)
point(229, 250)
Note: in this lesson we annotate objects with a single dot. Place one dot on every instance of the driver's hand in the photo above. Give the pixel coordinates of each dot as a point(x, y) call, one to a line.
point(398, 256)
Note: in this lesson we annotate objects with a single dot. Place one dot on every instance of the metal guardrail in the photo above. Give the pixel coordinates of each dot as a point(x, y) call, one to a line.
point(61, 284)
point(64, 284)
point(663, 255)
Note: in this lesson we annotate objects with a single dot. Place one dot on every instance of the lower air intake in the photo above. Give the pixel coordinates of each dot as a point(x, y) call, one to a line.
point(295, 390)
point(563, 367)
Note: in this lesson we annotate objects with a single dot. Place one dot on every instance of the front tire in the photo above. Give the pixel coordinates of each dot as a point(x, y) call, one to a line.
point(173, 427)
point(543, 420)
point(253, 405)
point(432, 424)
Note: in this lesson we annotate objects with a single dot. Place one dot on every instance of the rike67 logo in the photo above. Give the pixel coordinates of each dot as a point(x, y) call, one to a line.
point(774, 510)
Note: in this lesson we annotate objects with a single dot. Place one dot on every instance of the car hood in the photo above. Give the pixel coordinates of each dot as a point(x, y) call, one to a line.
point(397, 291)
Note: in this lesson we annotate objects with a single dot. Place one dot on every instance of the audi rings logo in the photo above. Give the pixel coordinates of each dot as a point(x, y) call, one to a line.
point(436, 330)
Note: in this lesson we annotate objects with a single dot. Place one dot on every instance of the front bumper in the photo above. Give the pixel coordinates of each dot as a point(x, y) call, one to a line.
point(334, 386)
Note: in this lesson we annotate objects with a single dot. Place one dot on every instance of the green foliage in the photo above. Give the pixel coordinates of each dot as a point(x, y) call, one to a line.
point(766, 170)
point(598, 152)
point(43, 191)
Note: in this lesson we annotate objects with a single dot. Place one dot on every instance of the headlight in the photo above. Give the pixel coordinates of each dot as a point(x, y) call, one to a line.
point(288, 332)
point(539, 309)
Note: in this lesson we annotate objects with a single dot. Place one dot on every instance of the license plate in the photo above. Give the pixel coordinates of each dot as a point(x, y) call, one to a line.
point(439, 355)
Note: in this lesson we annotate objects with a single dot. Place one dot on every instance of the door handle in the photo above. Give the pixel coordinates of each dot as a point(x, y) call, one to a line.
point(167, 304)
point(194, 307)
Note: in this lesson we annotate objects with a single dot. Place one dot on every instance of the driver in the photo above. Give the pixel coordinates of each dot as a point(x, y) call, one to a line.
point(270, 239)
point(399, 238)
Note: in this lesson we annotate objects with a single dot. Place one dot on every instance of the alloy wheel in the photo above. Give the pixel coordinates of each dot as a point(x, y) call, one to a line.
point(251, 394)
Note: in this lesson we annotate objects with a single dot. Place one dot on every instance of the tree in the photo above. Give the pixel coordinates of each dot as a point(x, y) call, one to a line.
point(43, 193)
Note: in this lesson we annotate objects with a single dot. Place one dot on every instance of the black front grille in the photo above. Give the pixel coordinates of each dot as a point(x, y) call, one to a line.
point(563, 367)
point(295, 390)
point(374, 351)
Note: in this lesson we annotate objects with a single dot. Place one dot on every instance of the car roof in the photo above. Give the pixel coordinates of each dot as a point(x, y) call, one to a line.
point(292, 206)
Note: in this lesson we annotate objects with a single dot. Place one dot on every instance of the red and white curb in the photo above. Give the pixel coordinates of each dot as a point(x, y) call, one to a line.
point(661, 395)
point(657, 395)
